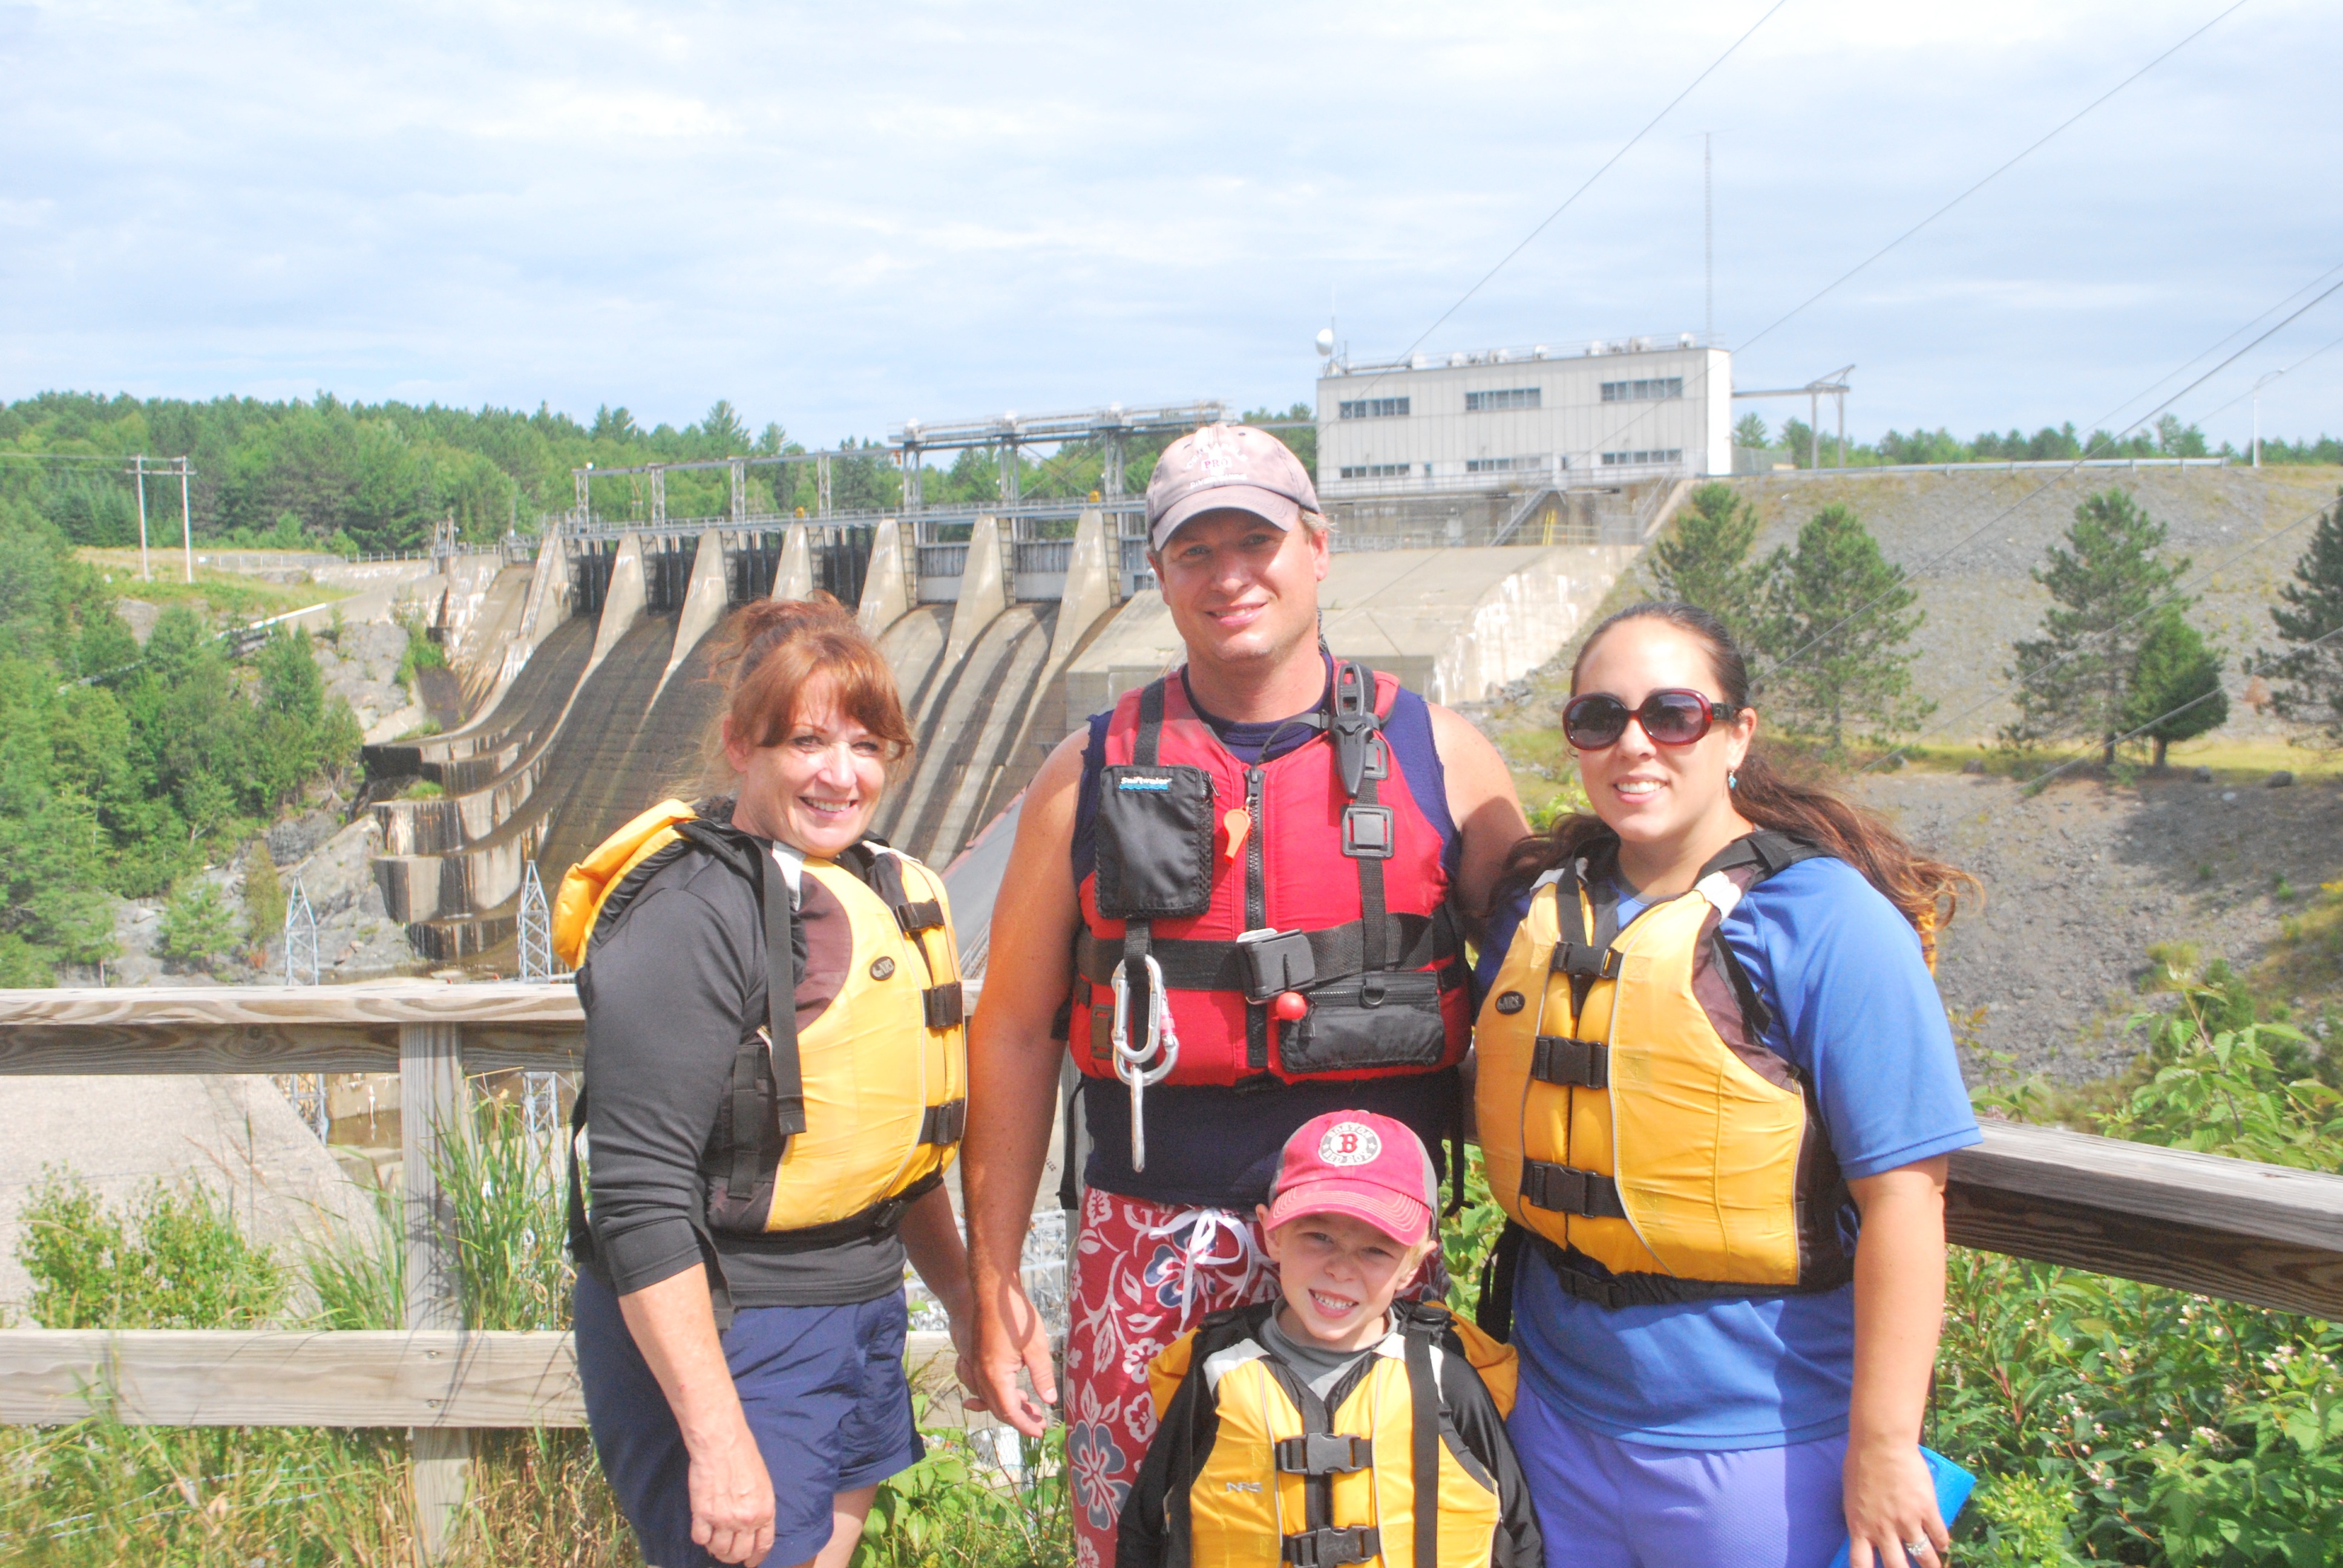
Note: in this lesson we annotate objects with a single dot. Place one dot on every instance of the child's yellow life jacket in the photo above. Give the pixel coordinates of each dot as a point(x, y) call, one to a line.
point(1404, 1464)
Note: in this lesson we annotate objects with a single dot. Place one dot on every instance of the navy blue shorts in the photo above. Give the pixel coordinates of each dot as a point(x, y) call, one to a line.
point(825, 1394)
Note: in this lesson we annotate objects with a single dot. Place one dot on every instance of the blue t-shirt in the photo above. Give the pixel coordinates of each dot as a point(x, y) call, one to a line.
point(1854, 1009)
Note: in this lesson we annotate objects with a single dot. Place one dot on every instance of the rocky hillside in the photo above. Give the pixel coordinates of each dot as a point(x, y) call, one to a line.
point(1980, 597)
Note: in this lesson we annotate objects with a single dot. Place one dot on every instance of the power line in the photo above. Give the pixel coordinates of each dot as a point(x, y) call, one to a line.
point(2030, 149)
point(1547, 222)
point(2060, 477)
point(2033, 786)
point(1965, 195)
point(2289, 370)
point(2169, 598)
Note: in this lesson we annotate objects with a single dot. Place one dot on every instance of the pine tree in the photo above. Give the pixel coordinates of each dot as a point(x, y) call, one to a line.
point(2076, 678)
point(1706, 559)
point(1839, 625)
point(2176, 689)
point(2308, 676)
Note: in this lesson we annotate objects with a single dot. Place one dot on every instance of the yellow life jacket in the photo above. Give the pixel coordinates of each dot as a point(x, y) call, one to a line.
point(1258, 1472)
point(1632, 1119)
point(831, 1128)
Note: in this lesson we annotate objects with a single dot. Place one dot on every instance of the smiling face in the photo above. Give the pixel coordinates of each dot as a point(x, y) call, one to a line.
point(1660, 798)
point(1339, 1275)
point(816, 788)
point(1240, 589)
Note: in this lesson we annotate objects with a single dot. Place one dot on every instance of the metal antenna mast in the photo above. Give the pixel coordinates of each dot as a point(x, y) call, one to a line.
point(1708, 236)
point(540, 1092)
point(306, 1091)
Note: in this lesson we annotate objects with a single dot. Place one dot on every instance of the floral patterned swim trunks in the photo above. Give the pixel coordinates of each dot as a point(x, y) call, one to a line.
point(1144, 1274)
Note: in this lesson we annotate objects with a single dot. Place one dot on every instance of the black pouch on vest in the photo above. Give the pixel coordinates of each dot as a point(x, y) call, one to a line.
point(1344, 1030)
point(1154, 841)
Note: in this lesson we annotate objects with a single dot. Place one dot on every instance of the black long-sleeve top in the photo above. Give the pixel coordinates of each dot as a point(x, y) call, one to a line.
point(672, 989)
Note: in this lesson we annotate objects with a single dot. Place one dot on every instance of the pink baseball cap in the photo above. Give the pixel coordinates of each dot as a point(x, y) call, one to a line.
point(1355, 1162)
point(1226, 466)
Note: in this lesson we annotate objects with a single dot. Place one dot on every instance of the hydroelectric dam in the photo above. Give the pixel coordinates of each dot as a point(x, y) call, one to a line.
point(1006, 627)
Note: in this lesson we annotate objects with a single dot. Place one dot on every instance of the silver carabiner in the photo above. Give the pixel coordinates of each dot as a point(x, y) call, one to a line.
point(1161, 1042)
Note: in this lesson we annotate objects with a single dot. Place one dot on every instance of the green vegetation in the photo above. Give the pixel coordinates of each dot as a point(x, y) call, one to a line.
point(95, 1493)
point(2051, 443)
point(2308, 675)
point(125, 770)
point(1827, 626)
point(1836, 624)
point(352, 477)
point(2108, 649)
point(2176, 689)
point(198, 927)
point(1705, 560)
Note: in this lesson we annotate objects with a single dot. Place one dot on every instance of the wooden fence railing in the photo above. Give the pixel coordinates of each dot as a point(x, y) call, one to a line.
point(2254, 1233)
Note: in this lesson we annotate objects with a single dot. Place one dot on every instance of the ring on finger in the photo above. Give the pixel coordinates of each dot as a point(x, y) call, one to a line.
point(1913, 1549)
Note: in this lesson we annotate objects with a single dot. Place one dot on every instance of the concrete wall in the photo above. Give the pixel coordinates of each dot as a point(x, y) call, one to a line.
point(1455, 625)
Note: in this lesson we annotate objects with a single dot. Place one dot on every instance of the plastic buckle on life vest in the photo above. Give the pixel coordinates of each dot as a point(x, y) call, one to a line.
point(1131, 1066)
point(1275, 962)
point(1333, 1548)
point(1557, 1058)
point(1367, 832)
point(1566, 1190)
point(1318, 1454)
point(1585, 962)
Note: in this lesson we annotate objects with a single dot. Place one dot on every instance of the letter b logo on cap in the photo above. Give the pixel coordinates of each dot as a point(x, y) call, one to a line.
point(1349, 1143)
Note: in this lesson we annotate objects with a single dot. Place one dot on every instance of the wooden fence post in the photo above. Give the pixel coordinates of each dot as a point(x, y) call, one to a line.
point(432, 1112)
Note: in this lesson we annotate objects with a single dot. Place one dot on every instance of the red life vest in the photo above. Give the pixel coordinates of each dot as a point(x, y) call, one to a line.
point(1249, 889)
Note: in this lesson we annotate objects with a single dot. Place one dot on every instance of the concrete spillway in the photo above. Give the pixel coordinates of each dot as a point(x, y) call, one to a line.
point(591, 664)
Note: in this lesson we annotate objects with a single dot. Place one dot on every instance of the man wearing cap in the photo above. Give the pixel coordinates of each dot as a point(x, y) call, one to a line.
point(1239, 903)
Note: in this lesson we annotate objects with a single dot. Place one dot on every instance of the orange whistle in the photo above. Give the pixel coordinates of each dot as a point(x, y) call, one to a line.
point(1238, 823)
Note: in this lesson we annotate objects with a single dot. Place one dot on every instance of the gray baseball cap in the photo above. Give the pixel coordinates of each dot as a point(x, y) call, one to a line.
point(1232, 466)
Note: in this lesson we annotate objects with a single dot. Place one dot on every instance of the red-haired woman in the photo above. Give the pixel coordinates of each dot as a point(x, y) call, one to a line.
point(1711, 1057)
point(759, 1171)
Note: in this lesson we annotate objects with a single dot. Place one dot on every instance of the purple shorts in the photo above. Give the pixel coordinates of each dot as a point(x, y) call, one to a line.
point(1605, 1503)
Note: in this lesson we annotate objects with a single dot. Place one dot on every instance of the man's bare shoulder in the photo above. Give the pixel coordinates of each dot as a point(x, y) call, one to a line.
point(1460, 742)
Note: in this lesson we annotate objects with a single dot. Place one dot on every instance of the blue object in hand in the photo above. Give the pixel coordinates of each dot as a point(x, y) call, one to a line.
point(1953, 1486)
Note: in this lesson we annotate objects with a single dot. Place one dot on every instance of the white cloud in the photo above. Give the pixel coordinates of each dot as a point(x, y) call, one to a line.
point(838, 216)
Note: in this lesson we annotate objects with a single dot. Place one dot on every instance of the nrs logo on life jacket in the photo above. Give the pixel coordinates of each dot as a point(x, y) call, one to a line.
point(1632, 1119)
point(1287, 920)
point(791, 1157)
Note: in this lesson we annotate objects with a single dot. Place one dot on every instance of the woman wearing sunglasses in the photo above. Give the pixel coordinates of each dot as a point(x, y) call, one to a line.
point(1711, 1057)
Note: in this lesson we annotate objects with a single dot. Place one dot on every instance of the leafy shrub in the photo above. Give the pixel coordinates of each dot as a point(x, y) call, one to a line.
point(962, 1507)
point(171, 1258)
point(2132, 1423)
point(198, 927)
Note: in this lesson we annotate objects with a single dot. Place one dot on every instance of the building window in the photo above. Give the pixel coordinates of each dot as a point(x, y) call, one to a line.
point(1503, 464)
point(1641, 459)
point(1376, 470)
point(1512, 397)
point(1374, 407)
point(1643, 391)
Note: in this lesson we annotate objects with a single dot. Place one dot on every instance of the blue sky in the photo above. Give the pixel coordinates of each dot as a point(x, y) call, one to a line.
point(839, 217)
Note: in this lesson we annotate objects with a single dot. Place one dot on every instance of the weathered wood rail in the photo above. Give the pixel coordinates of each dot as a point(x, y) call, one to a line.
point(2227, 1227)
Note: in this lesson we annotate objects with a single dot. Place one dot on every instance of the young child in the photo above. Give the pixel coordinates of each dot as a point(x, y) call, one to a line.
point(1334, 1426)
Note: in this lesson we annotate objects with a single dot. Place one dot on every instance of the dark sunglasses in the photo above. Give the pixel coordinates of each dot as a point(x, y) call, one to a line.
point(1671, 717)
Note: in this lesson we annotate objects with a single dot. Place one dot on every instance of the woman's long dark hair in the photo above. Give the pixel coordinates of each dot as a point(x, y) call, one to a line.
point(1925, 893)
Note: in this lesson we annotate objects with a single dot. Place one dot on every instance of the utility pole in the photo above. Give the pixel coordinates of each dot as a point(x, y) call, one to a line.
point(186, 523)
point(145, 572)
point(1708, 237)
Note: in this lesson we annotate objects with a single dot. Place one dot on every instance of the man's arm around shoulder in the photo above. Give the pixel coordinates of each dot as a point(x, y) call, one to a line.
point(1483, 804)
point(1012, 1073)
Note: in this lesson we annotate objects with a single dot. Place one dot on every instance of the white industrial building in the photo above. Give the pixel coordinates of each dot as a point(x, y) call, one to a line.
point(1621, 409)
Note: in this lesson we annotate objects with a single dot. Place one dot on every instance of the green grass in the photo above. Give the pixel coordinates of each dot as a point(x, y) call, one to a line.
point(216, 595)
point(98, 1492)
